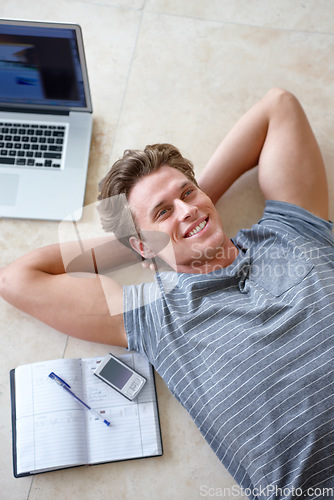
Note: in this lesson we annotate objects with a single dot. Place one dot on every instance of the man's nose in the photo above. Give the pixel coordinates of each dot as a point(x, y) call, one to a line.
point(184, 210)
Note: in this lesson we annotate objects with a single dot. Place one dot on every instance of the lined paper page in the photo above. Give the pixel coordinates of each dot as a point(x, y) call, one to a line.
point(54, 431)
point(134, 430)
point(148, 409)
point(50, 424)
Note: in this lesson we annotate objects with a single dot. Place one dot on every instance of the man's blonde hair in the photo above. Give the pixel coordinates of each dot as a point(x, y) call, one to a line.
point(114, 210)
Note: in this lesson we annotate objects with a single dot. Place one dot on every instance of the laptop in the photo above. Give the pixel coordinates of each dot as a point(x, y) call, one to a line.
point(45, 120)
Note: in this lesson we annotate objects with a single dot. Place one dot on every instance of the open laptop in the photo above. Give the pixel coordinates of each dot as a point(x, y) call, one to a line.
point(45, 120)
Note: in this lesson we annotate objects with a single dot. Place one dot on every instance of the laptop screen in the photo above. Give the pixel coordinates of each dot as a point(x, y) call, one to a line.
point(42, 66)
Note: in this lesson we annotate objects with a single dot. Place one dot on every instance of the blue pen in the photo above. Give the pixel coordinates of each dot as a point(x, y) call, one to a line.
point(67, 388)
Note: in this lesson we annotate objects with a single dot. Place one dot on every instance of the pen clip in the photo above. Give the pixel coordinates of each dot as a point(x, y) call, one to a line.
point(59, 380)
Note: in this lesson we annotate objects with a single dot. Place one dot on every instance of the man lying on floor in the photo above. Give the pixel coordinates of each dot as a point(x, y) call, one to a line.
point(240, 330)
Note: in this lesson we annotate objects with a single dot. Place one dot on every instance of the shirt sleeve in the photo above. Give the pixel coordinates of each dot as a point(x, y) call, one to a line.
point(142, 318)
point(297, 220)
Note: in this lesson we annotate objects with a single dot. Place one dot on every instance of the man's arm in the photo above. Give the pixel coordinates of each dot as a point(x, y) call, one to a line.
point(89, 306)
point(275, 135)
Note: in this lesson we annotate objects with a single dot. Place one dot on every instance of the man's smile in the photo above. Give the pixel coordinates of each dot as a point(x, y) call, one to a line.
point(196, 229)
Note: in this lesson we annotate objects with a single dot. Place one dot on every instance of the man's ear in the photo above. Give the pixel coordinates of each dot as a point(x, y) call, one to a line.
point(141, 247)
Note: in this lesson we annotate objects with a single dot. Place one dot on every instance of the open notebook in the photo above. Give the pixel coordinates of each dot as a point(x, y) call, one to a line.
point(51, 431)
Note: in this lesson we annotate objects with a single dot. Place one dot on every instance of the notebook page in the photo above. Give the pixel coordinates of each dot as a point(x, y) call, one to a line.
point(148, 409)
point(134, 429)
point(50, 425)
point(148, 417)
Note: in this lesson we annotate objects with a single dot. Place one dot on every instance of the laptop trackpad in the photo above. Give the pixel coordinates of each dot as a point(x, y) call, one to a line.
point(8, 188)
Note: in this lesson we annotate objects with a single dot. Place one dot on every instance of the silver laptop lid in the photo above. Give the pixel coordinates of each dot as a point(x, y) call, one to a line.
point(42, 68)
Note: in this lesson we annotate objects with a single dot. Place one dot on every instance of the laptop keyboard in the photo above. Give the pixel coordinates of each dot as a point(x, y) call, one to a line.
point(24, 144)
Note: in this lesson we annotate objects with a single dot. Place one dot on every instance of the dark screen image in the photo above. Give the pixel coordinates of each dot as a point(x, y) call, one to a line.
point(116, 373)
point(40, 70)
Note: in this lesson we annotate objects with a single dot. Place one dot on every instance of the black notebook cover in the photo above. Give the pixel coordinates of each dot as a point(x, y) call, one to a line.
point(14, 435)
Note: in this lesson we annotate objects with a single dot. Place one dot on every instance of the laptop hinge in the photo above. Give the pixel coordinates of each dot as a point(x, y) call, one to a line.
point(35, 111)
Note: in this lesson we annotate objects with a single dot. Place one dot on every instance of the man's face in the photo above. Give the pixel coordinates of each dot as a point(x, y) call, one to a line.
point(168, 202)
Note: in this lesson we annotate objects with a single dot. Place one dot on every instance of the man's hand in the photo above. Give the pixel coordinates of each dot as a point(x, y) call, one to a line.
point(90, 308)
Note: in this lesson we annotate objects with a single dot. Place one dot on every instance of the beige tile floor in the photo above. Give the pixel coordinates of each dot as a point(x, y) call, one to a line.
point(165, 71)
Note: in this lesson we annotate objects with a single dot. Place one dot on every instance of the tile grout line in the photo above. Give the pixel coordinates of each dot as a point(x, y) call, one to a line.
point(29, 491)
point(65, 346)
point(111, 6)
point(127, 79)
point(244, 24)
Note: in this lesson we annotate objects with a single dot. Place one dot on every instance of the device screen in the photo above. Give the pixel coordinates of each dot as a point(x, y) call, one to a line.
point(40, 66)
point(116, 373)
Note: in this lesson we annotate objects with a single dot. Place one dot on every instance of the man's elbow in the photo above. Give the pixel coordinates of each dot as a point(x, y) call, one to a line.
point(7, 282)
point(15, 281)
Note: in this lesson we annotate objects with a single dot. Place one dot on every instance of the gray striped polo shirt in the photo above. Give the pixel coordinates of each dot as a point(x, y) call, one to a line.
point(248, 351)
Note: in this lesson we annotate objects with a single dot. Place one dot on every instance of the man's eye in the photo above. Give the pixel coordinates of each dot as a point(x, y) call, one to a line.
point(188, 192)
point(162, 212)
